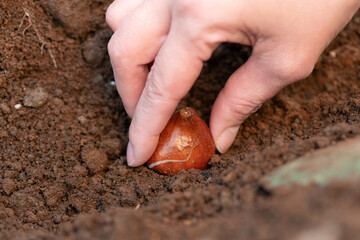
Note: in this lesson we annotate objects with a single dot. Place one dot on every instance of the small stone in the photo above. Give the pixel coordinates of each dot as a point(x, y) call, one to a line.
point(33, 82)
point(58, 102)
point(205, 174)
point(98, 79)
point(56, 219)
point(35, 97)
point(5, 108)
point(95, 160)
point(8, 186)
point(17, 106)
point(92, 54)
point(94, 48)
point(82, 120)
point(332, 54)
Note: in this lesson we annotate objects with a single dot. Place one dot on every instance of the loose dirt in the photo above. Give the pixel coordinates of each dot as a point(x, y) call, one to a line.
point(63, 129)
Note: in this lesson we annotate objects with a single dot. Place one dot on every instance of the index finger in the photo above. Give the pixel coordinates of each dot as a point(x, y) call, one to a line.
point(175, 69)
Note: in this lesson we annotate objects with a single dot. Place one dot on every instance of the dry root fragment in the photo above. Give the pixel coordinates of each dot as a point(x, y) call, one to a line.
point(41, 40)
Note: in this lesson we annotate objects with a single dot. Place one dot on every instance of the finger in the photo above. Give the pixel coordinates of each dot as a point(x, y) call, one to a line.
point(175, 69)
point(118, 10)
point(242, 95)
point(134, 45)
point(259, 79)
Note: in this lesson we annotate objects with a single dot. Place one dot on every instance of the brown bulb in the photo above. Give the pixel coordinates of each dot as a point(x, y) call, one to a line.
point(185, 143)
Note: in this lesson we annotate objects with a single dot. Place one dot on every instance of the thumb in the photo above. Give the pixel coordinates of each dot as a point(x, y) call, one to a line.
point(246, 90)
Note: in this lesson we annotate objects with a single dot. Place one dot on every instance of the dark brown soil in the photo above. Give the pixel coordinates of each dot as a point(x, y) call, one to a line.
point(63, 171)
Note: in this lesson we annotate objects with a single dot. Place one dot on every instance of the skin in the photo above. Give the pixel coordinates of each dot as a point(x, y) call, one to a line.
point(287, 37)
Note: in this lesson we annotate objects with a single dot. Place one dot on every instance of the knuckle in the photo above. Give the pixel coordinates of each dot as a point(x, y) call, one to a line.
point(110, 15)
point(242, 108)
point(296, 68)
point(117, 51)
point(157, 93)
point(112, 48)
point(187, 7)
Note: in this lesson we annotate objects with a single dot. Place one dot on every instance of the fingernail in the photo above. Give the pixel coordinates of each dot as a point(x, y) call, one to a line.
point(225, 140)
point(130, 155)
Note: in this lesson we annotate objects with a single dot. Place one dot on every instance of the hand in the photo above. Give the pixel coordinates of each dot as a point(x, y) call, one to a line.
point(179, 35)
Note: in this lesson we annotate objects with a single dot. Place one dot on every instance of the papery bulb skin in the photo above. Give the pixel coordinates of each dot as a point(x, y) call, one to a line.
point(185, 143)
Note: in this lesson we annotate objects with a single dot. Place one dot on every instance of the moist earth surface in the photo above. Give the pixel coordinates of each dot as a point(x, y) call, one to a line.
point(63, 130)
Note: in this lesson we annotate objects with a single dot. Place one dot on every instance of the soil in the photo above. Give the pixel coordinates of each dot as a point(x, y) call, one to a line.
point(63, 129)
